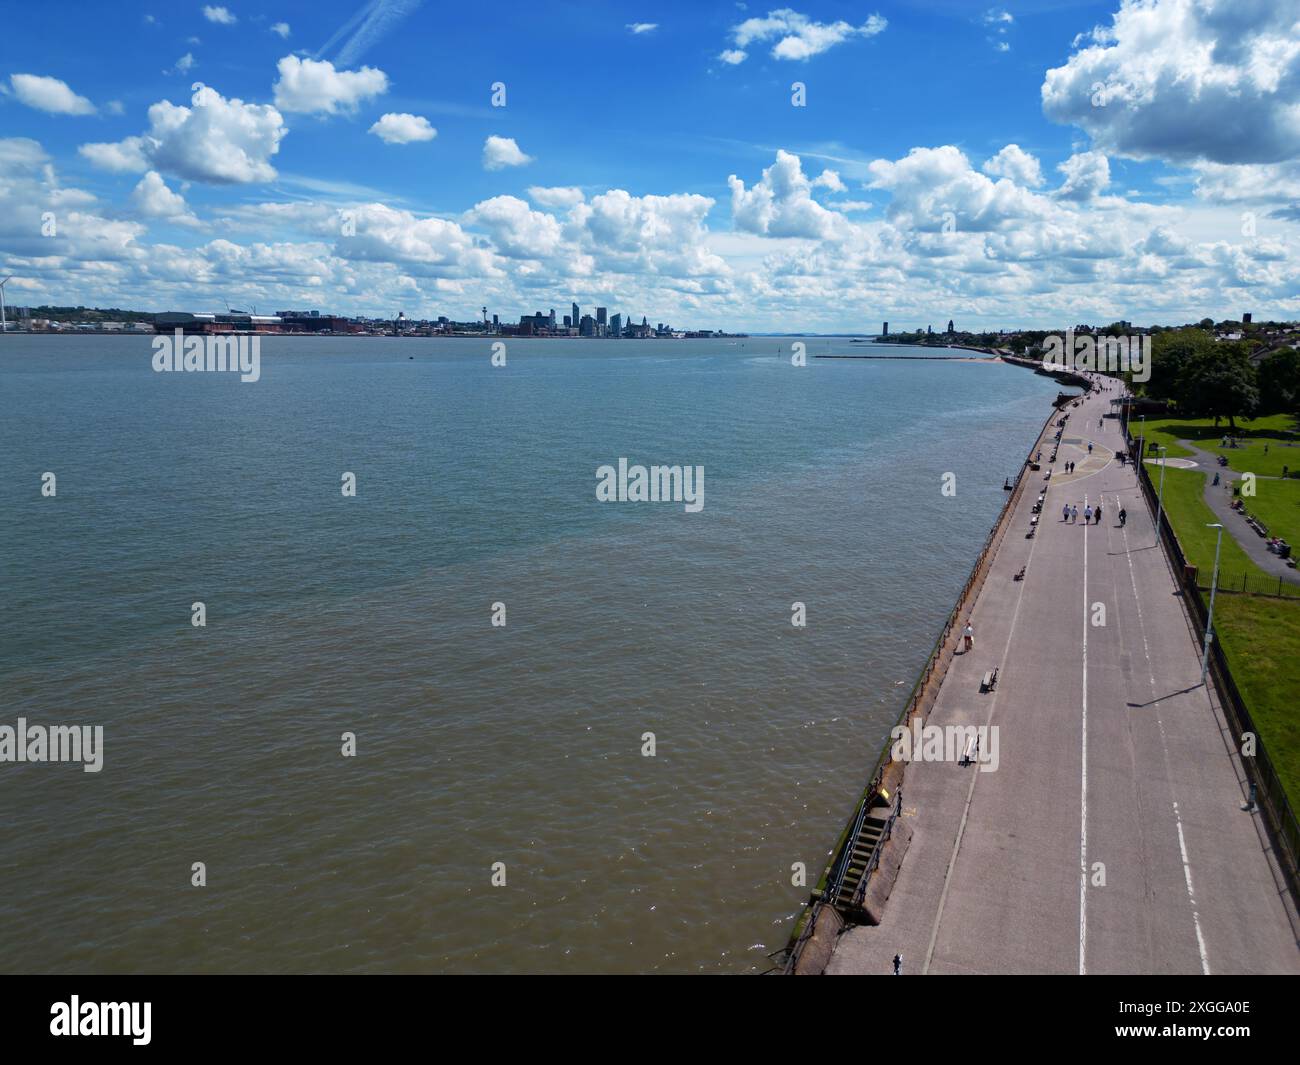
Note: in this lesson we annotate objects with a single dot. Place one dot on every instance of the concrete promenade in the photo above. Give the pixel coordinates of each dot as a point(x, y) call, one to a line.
point(1114, 762)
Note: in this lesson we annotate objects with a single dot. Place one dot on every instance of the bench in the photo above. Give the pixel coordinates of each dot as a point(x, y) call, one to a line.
point(990, 681)
point(972, 751)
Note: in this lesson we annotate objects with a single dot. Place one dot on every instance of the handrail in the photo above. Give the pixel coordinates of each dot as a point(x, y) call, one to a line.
point(860, 892)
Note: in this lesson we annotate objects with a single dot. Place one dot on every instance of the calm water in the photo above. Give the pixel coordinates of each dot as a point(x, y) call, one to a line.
point(476, 744)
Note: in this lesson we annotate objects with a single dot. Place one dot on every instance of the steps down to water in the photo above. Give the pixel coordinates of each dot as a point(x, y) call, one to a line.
point(862, 848)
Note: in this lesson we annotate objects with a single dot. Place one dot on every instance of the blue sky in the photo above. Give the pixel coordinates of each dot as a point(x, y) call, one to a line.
point(640, 161)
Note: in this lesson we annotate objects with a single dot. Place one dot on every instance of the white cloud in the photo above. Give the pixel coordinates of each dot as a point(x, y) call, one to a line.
point(830, 179)
point(1187, 80)
point(123, 157)
point(153, 199)
point(403, 129)
point(282, 28)
point(556, 197)
point(796, 35)
point(49, 94)
point(185, 63)
point(1017, 164)
point(310, 86)
point(501, 152)
point(1086, 174)
point(219, 15)
point(642, 27)
point(781, 204)
point(516, 230)
point(215, 140)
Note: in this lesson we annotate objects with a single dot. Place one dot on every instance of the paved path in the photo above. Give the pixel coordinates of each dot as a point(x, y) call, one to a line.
point(1113, 763)
point(1219, 499)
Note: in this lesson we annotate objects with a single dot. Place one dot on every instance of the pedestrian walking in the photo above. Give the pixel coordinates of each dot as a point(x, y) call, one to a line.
point(1087, 515)
point(1065, 512)
point(1098, 515)
point(1089, 447)
point(968, 636)
point(1074, 513)
point(1123, 517)
point(898, 965)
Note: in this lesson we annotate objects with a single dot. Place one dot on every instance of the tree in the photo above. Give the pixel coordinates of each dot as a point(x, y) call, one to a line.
point(1171, 354)
point(1220, 383)
point(1279, 382)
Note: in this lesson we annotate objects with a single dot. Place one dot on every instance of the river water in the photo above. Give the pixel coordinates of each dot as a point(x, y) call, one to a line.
point(476, 744)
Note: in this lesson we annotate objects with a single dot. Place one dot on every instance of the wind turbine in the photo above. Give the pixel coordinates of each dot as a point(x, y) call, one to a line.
point(3, 326)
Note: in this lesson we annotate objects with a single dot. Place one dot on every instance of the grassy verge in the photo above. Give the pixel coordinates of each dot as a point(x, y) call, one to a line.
point(1261, 638)
point(1266, 446)
point(1277, 505)
point(1259, 635)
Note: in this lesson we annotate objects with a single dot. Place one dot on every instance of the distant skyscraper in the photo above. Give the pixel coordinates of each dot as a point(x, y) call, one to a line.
point(1245, 318)
point(950, 329)
point(885, 331)
point(576, 319)
point(616, 326)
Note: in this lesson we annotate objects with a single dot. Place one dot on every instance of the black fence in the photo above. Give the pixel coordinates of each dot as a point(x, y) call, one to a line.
point(1251, 584)
point(1271, 796)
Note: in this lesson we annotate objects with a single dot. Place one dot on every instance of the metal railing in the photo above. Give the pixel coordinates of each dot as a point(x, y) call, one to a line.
point(860, 892)
point(1251, 584)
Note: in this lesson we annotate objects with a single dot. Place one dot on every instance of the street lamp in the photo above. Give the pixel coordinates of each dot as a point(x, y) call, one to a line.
point(1160, 508)
point(1142, 418)
point(3, 326)
point(1214, 585)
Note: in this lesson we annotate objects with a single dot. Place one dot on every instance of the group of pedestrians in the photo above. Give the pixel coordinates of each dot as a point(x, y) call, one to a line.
point(1091, 514)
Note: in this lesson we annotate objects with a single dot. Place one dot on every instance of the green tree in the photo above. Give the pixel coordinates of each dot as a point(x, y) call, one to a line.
point(1220, 383)
point(1279, 382)
point(1172, 353)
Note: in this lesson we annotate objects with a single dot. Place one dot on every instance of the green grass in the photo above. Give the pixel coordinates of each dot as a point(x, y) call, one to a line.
point(1261, 638)
point(1260, 635)
point(1277, 505)
point(1185, 504)
point(1271, 432)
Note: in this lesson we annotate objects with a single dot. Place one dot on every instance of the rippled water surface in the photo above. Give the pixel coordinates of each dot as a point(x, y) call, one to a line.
point(475, 744)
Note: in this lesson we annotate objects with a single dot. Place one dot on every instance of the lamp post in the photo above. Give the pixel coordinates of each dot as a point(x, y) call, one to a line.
point(1214, 585)
point(3, 326)
point(1142, 438)
point(1160, 496)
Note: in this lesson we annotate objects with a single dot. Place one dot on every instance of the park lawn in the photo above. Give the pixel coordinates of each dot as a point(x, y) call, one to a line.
point(1256, 434)
point(1261, 638)
point(1277, 505)
point(1185, 504)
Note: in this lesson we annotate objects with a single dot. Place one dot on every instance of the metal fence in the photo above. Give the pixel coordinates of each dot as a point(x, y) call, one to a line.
point(1251, 584)
point(1271, 796)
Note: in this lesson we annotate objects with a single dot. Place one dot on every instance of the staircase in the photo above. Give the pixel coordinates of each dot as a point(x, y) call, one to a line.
point(861, 850)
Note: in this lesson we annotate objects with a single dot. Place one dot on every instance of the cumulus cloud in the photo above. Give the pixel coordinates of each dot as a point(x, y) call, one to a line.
point(516, 230)
point(1017, 164)
point(313, 86)
point(501, 152)
point(781, 204)
point(153, 199)
point(216, 140)
point(403, 129)
point(1186, 80)
point(49, 95)
point(1086, 174)
point(830, 179)
point(219, 15)
point(559, 196)
point(282, 28)
point(797, 36)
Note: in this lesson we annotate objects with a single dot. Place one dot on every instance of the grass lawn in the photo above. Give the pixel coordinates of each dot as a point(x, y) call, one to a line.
point(1277, 505)
point(1256, 435)
point(1187, 509)
point(1261, 638)
point(1260, 635)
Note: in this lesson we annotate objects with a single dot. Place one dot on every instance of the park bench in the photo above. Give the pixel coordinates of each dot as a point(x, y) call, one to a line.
point(971, 751)
point(990, 681)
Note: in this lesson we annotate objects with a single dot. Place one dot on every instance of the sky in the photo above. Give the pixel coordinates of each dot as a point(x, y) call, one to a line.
point(740, 166)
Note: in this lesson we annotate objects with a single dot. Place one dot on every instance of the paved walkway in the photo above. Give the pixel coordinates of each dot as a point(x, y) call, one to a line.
point(1111, 838)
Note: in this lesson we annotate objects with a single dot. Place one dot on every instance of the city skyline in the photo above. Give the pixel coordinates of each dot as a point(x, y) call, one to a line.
point(755, 170)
